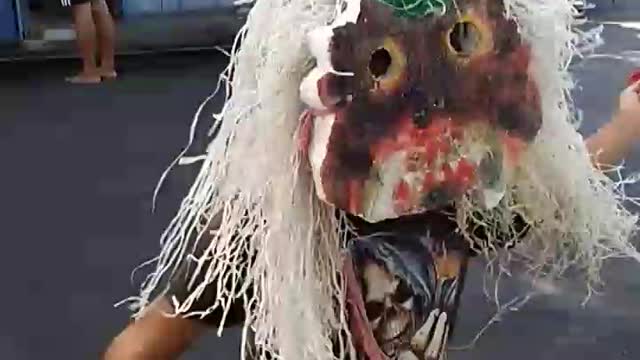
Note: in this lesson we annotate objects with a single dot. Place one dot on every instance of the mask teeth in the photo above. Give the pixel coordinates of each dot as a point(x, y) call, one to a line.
point(439, 338)
point(420, 340)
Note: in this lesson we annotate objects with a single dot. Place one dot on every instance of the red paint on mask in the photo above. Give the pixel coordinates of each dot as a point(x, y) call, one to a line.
point(634, 78)
point(305, 132)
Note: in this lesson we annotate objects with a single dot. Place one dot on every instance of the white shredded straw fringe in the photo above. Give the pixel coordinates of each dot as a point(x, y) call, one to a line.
point(268, 208)
point(250, 176)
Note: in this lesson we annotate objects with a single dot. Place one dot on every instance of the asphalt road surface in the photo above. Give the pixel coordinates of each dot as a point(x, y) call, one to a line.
point(79, 165)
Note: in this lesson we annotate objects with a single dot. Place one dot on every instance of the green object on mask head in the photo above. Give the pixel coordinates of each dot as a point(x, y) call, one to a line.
point(418, 8)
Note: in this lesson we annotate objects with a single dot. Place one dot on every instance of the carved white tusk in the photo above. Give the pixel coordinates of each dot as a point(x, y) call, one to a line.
point(438, 338)
point(421, 337)
point(443, 350)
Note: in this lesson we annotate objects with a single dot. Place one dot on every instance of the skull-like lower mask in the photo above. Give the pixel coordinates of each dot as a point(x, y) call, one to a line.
point(404, 283)
point(407, 113)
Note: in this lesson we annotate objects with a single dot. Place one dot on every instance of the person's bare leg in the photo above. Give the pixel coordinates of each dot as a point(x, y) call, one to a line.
point(86, 39)
point(106, 37)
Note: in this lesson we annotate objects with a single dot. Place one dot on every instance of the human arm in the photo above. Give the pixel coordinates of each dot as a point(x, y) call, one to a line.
point(612, 142)
point(155, 335)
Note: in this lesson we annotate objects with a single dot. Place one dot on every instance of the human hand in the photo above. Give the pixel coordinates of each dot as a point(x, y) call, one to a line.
point(615, 139)
point(630, 100)
point(628, 116)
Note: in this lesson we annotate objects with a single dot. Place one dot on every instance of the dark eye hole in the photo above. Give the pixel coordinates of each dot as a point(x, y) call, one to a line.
point(402, 294)
point(374, 309)
point(379, 63)
point(464, 38)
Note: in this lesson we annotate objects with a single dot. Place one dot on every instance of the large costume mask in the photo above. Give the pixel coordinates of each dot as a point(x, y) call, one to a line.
point(409, 112)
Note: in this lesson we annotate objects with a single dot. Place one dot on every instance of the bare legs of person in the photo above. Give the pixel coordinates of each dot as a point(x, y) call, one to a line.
point(106, 38)
point(86, 39)
point(94, 26)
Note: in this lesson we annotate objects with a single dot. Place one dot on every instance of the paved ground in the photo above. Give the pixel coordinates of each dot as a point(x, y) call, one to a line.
point(79, 167)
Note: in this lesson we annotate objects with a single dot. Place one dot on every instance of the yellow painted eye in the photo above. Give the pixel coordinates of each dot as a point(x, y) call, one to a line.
point(468, 37)
point(387, 65)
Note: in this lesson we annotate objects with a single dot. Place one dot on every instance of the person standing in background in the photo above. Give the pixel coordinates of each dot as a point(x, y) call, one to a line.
point(95, 34)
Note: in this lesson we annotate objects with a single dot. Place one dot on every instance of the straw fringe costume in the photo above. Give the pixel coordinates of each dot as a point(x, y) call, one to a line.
point(441, 127)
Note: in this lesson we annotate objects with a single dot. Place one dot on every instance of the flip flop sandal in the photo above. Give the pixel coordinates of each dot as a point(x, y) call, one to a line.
point(109, 76)
point(81, 80)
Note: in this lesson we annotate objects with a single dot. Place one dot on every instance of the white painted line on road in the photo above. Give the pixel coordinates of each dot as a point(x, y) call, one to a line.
point(633, 25)
point(188, 160)
point(632, 57)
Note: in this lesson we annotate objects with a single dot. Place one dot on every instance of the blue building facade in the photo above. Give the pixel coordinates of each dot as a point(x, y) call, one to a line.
point(143, 7)
point(17, 22)
point(9, 22)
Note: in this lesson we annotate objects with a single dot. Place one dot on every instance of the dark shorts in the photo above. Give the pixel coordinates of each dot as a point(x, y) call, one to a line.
point(179, 287)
